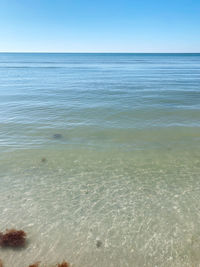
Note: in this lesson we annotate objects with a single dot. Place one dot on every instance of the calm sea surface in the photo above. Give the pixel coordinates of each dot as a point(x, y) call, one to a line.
point(100, 158)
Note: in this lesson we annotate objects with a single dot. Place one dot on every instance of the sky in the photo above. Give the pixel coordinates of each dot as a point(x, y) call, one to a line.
point(100, 26)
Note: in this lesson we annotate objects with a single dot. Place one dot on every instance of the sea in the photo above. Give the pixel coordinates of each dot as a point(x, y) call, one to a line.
point(100, 158)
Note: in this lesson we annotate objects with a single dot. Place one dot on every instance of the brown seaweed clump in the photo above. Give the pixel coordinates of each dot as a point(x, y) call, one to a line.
point(1, 263)
point(63, 264)
point(13, 238)
point(34, 265)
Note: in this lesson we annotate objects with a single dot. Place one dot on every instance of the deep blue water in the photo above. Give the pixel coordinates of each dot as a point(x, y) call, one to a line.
point(98, 98)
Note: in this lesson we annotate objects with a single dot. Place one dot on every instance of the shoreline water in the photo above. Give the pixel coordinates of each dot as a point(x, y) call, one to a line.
point(146, 198)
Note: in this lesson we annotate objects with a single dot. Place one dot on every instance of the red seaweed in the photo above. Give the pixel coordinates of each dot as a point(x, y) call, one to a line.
point(34, 265)
point(12, 238)
point(63, 264)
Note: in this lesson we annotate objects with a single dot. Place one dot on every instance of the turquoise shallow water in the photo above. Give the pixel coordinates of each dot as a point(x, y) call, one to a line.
point(125, 170)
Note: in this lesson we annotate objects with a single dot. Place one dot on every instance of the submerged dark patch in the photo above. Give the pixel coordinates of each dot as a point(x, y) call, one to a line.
point(43, 160)
point(57, 136)
point(98, 243)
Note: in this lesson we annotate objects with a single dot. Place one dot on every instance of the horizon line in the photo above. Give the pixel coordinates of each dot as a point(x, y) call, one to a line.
point(65, 52)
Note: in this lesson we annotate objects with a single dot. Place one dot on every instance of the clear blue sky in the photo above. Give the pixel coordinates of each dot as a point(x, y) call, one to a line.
point(100, 25)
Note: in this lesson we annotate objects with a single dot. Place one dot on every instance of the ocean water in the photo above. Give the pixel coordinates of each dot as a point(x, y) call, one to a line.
point(100, 158)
